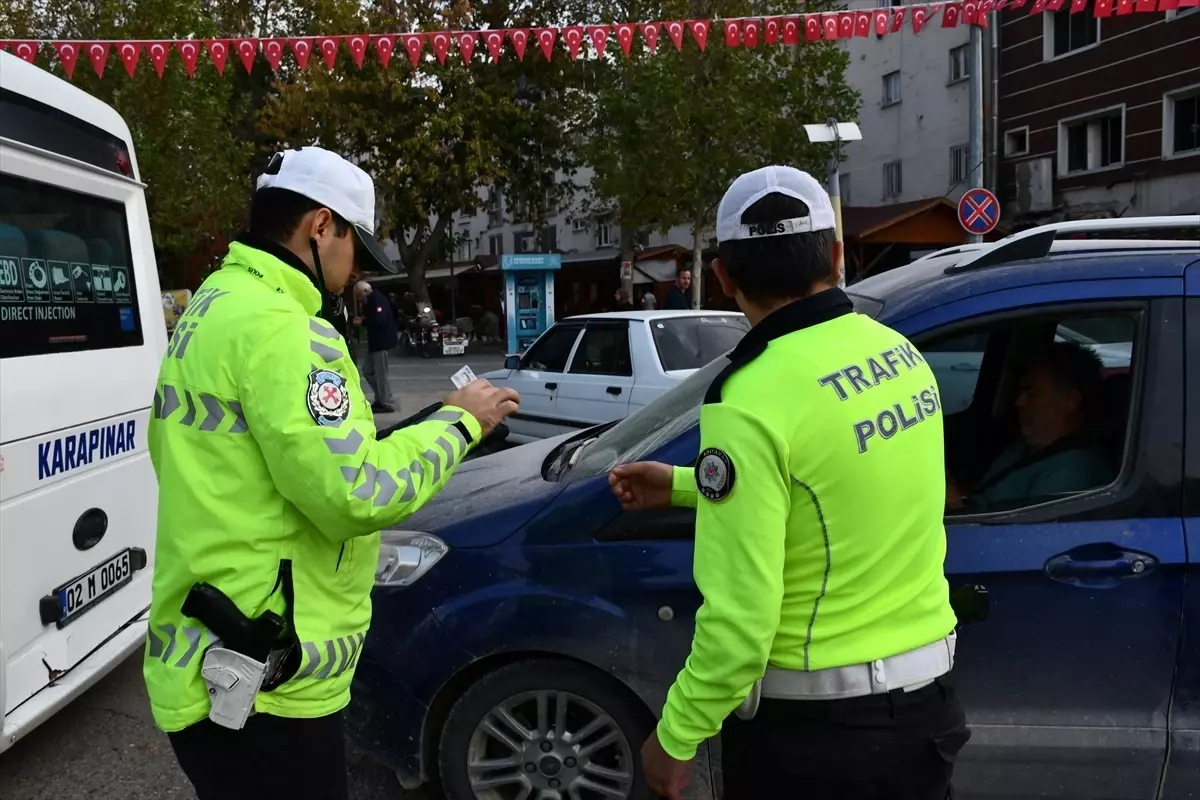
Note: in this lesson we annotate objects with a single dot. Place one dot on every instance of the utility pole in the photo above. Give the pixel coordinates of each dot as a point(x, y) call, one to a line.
point(975, 115)
point(833, 132)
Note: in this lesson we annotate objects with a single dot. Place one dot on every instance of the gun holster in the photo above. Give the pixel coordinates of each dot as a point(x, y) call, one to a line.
point(233, 681)
point(749, 707)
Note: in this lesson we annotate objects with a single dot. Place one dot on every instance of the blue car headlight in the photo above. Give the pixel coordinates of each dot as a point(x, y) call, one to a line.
point(404, 556)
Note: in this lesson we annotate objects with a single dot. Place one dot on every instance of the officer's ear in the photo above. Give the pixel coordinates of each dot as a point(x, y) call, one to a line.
point(728, 287)
point(835, 253)
point(321, 224)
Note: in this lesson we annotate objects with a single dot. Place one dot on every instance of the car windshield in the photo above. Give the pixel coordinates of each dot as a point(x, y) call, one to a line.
point(663, 418)
point(693, 341)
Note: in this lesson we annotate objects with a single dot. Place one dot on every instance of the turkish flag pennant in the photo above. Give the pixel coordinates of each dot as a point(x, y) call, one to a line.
point(1124, 7)
point(1102, 8)
point(1018, 4)
point(1189, 3)
point(624, 36)
point(1078, 5)
point(829, 26)
point(1038, 7)
point(385, 45)
point(733, 33)
point(883, 21)
point(218, 51)
point(675, 32)
point(791, 31)
point(1146, 6)
point(328, 45)
point(1000, 4)
point(898, 19)
point(189, 54)
point(846, 25)
point(970, 12)
point(650, 36)
point(1163, 5)
point(950, 14)
point(750, 32)
point(1055, 5)
point(599, 37)
point(26, 51)
point(358, 48)
point(985, 11)
point(414, 43)
point(273, 52)
point(699, 29)
point(545, 39)
point(68, 54)
point(813, 29)
point(520, 40)
point(441, 45)
point(573, 36)
point(246, 49)
point(771, 31)
point(494, 39)
point(129, 53)
point(158, 53)
point(919, 18)
point(301, 50)
point(466, 45)
point(862, 23)
point(98, 54)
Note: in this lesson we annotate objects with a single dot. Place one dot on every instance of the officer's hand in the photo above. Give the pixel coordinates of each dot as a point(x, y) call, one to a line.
point(666, 776)
point(488, 404)
point(642, 484)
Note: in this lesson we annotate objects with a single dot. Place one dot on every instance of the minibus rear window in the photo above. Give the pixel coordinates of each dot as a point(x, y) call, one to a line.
point(66, 272)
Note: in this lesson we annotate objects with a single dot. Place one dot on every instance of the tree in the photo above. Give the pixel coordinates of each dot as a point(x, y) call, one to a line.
point(434, 135)
point(672, 130)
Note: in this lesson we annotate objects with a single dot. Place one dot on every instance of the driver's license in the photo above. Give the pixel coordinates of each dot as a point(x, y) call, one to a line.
point(462, 377)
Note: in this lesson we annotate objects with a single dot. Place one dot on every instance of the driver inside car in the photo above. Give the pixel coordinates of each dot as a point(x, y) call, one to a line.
point(1058, 452)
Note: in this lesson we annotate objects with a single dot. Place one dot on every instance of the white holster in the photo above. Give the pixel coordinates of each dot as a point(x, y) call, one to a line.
point(233, 682)
point(749, 706)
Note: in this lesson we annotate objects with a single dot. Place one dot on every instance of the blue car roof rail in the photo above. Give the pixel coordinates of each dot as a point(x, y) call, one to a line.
point(1037, 242)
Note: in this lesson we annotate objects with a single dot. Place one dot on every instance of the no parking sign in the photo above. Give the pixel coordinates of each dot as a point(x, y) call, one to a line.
point(978, 211)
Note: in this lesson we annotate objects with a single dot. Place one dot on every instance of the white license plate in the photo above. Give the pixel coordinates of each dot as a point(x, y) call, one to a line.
point(454, 349)
point(86, 591)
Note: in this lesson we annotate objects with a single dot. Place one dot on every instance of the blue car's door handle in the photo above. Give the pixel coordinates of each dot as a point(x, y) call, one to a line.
point(1099, 565)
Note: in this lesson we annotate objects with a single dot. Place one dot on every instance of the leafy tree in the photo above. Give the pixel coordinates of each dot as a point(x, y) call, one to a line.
point(433, 135)
point(672, 130)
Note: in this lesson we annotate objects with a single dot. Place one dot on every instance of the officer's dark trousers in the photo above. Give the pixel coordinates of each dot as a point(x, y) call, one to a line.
point(270, 757)
point(898, 746)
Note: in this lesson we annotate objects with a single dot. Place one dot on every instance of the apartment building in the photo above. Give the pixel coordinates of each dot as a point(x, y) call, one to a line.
point(1099, 117)
point(913, 117)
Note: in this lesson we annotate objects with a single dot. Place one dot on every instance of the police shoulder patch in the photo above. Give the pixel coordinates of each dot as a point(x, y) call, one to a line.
point(328, 397)
point(715, 474)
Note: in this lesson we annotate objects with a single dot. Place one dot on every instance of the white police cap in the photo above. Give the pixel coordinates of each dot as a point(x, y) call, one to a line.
point(751, 187)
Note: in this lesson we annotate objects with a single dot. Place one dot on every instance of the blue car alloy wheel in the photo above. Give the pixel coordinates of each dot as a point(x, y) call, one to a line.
point(544, 730)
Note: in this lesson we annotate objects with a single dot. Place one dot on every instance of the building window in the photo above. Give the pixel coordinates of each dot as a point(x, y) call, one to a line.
point(1093, 142)
point(1016, 142)
point(1064, 32)
point(891, 89)
point(496, 245)
point(548, 238)
point(524, 242)
point(893, 180)
point(604, 232)
point(579, 225)
point(463, 253)
point(883, 3)
point(495, 207)
point(960, 164)
point(960, 63)
point(1181, 122)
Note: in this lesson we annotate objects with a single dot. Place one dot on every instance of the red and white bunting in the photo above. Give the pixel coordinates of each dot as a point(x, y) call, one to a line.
point(520, 41)
point(414, 44)
point(218, 51)
point(650, 36)
point(273, 52)
point(98, 55)
point(573, 36)
point(246, 49)
point(495, 43)
point(385, 45)
point(129, 52)
point(846, 25)
point(26, 51)
point(733, 32)
point(466, 45)
point(441, 45)
point(302, 50)
point(68, 54)
point(158, 53)
point(358, 48)
point(771, 29)
point(699, 29)
point(545, 40)
point(329, 46)
point(599, 36)
point(189, 54)
point(675, 32)
point(862, 24)
point(898, 19)
point(624, 33)
point(750, 32)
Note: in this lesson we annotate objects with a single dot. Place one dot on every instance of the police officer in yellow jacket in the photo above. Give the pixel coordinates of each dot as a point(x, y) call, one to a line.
point(272, 490)
point(823, 649)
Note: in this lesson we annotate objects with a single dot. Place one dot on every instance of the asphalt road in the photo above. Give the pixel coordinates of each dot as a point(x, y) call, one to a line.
point(105, 746)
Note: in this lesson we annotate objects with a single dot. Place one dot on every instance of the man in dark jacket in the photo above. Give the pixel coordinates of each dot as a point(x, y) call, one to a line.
point(379, 319)
point(678, 298)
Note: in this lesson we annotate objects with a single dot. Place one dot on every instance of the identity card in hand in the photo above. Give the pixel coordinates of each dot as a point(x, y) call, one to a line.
point(462, 377)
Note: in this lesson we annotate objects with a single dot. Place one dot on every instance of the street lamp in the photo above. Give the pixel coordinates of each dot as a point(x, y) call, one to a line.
point(836, 132)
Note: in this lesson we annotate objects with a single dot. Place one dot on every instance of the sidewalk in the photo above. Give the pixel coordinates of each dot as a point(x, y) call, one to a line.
point(419, 382)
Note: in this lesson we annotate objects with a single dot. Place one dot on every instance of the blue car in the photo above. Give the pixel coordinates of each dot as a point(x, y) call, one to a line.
point(526, 630)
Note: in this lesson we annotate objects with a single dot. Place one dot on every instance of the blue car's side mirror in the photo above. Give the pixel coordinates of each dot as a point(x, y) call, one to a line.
point(512, 362)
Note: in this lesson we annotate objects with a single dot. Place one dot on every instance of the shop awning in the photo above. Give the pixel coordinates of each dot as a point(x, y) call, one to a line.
point(933, 221)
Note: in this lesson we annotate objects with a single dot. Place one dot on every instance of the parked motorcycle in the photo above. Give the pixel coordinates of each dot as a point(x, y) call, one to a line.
point(421, 335)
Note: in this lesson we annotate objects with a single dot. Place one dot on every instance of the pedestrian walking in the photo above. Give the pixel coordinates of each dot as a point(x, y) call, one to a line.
point(678, 298)
point(824, 646)
point(272, 487)
point(379, 319)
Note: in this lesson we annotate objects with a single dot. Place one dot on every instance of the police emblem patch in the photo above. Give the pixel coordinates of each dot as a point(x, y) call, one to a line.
point(715, 474)
point(328, 397)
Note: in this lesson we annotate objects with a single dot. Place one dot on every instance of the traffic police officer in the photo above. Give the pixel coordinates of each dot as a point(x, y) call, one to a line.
point(272, 488)
point(819, 493)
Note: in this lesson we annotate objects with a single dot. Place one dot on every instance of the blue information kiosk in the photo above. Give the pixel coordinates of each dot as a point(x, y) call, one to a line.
point(528, 296)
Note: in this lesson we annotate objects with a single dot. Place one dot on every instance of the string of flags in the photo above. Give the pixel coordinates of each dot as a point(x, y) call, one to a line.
point(740, 32)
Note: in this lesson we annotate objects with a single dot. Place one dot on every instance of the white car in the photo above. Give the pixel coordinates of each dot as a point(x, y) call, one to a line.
point(598, 368)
